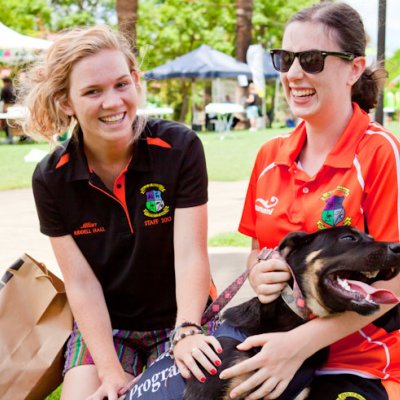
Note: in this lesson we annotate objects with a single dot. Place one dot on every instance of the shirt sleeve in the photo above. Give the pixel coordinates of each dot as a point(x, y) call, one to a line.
point(50, 218)
point(382, 197)
point(247, 224)
point(193, 180)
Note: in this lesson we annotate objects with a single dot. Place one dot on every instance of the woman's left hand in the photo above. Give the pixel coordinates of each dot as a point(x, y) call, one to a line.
point(194, 351)
point(271, 369)
point(111, 387)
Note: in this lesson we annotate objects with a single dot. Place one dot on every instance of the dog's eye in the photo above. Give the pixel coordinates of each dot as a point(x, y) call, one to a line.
point(349, 237)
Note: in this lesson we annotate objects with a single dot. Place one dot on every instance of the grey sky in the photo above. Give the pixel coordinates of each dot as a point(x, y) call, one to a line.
point(369, 12)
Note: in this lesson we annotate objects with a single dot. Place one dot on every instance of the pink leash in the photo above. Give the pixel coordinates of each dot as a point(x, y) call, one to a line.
point(225, 297)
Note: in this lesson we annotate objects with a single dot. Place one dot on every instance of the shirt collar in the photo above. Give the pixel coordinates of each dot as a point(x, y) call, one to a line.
point(342, 154)
point(78, 165)
point(77, 168)
point(142, 159)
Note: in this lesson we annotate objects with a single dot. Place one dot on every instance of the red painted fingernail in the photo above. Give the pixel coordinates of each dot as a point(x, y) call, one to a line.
point(217, 363)
point(122, 391)
point(202, 380)
point(213, 371)
point(219, 350)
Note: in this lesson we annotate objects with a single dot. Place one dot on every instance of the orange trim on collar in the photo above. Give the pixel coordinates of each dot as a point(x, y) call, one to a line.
point(119, 187)
point(158, 142)
point(63, 160)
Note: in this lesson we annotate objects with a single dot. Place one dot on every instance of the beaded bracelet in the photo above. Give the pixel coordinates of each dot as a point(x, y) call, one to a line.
point(175, 336)
point(183, 325)
point(186, 323)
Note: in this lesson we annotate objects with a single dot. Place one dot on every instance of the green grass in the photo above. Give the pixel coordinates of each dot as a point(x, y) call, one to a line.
point(228, 159)
point(15, 172)
point(55, 395)
point(231, 157)
point(229, 239)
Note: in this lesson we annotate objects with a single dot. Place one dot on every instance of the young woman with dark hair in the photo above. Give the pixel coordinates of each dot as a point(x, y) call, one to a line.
point(336, 168)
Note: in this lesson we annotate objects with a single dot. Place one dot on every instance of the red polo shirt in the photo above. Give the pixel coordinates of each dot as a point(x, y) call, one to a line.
point(359, 181)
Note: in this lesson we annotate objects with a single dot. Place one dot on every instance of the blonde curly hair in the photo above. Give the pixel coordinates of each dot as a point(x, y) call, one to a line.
point(46, 85)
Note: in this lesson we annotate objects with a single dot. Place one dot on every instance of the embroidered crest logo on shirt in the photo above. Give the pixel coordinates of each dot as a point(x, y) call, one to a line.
point(334, 213)
point(350, 396)
point(155, 205)
point(266, 206)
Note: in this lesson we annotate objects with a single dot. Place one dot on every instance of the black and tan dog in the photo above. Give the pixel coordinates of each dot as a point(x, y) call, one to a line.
point(333, 269)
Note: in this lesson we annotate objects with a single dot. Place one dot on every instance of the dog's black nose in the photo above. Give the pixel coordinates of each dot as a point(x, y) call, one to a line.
point(394, 247)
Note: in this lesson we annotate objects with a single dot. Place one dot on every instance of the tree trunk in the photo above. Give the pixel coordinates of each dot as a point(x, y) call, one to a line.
point(244, 14)
point(127, 16)
point(381, 54)
point(185, 90)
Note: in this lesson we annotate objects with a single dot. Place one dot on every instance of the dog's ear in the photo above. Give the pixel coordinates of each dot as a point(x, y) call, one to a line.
point(291, 241)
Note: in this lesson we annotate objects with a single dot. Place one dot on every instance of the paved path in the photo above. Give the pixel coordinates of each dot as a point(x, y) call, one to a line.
point(19, 231)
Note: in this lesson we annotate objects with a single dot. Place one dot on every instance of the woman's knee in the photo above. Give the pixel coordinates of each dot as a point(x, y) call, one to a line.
point(80, 382)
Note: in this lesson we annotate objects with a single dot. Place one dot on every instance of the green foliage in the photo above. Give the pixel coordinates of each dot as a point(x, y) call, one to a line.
point(25, 16)
point(270, 18)
point(34, 16)
point(393, 67)
point(167, 29)
point(70, 13)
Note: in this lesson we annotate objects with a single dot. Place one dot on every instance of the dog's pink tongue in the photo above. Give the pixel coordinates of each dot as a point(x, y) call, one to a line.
point(379, 296)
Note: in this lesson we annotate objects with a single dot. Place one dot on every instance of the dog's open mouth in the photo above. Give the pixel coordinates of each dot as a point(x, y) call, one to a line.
point(356, 286)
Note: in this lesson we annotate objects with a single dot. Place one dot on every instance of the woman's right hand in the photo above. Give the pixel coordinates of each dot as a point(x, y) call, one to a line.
point(268, 278)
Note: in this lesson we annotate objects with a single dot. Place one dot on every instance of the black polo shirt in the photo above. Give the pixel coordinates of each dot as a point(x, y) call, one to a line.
point(127, 235)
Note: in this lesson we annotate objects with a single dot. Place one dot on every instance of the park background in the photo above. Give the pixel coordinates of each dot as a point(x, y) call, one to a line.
point(162, 30)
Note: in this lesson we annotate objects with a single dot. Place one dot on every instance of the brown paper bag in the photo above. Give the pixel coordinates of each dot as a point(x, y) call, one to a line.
point(35, 322)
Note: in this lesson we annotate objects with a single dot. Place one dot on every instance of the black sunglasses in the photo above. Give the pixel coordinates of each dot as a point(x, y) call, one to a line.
point(312, 61)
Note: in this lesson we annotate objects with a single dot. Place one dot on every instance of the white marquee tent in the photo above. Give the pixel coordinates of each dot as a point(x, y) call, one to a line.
point(10, 39)
point(14, 46)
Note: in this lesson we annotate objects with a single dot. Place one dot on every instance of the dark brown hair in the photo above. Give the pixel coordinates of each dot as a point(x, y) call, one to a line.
point(347, 28)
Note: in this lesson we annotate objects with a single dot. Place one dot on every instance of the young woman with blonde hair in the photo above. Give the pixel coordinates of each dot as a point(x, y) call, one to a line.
point(124, 205)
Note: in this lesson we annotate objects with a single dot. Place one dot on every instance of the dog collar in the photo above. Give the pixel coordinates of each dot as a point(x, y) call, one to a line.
point(294, 299)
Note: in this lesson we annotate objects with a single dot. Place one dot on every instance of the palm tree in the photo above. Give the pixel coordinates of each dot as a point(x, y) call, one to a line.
point(244, 14)
point(127, 16)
